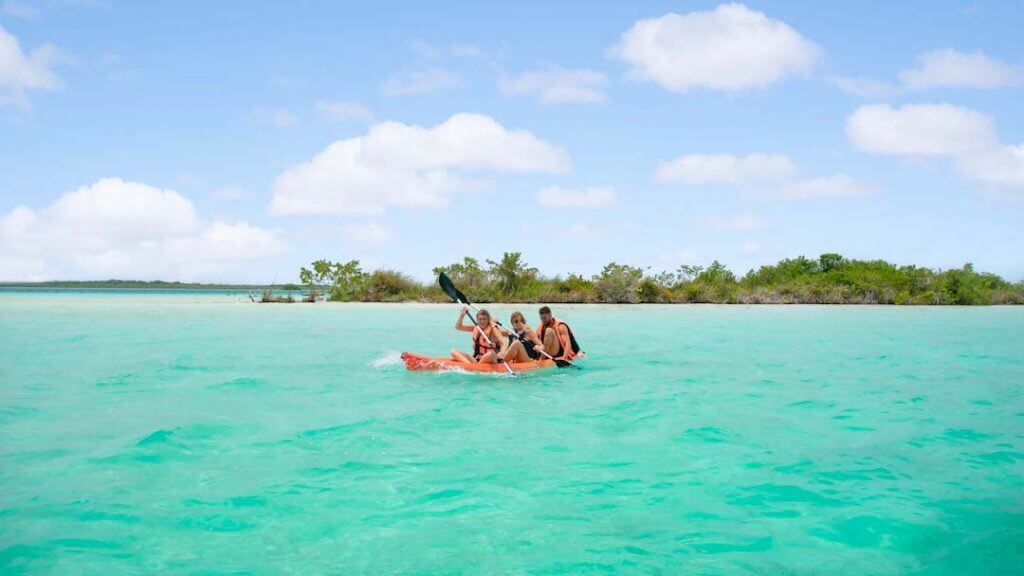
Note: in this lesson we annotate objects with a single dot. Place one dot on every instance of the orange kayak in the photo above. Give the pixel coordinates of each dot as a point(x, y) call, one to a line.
point(418, 362)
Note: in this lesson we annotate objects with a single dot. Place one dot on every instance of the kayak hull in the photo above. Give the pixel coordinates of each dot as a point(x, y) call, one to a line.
point(419, 362)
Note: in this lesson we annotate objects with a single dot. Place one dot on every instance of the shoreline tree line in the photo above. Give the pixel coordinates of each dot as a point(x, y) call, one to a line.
point(828, 279)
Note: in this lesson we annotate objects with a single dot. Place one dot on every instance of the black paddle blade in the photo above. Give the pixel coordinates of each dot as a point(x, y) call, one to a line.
point(566, 364)
point(449, 288)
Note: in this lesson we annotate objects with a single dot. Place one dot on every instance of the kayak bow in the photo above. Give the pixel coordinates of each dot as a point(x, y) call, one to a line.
point(418, 362)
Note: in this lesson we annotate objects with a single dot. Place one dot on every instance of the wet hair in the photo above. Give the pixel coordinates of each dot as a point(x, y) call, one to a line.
point(517, 315)
point(545, 310)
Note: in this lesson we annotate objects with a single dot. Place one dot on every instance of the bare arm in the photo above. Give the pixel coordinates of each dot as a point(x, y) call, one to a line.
point(501, 343)
point(540, 341)
point(460, 325)
point(566, 350)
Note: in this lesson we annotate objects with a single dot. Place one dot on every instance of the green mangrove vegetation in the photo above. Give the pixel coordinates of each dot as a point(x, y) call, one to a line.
point(828, 279)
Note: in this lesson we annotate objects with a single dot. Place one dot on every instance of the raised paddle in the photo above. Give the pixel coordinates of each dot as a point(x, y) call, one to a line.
point(455, 294)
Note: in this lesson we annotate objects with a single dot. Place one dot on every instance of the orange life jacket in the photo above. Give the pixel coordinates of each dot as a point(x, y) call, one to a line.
point(569, 346)
point(481, 345)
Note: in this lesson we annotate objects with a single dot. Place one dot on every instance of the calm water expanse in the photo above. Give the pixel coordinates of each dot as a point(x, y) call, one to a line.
point(187, 433)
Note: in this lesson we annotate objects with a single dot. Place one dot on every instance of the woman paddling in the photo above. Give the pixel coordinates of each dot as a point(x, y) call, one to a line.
point(489, 344)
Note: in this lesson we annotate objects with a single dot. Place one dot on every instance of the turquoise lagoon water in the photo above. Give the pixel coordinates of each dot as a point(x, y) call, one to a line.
point(194, 434)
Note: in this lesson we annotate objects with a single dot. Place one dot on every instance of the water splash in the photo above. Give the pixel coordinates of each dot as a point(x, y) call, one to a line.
point(389, 358)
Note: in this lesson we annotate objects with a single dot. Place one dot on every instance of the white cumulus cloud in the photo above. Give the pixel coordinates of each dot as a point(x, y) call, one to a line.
point(1000, 166)
point(729, 48)
point(761, 176)
point(704, 169)
point(556, 84)
point(966, 136)
point(919, 129)
point(594, 197)
point(21, 72)
point(944, 68)
point(397, 164)
point(124, 229)
point(952, 68)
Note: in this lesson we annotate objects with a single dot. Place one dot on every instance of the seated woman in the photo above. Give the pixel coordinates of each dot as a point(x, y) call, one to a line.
point(524, 345)
point(489, 344)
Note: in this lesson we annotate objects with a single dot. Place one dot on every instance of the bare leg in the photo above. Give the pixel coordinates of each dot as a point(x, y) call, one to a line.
point(517, 353)
point(551, 344)
point(489, 358)
point(460, 356)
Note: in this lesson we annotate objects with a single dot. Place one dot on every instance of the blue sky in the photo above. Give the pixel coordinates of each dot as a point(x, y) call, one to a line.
point(233, 141)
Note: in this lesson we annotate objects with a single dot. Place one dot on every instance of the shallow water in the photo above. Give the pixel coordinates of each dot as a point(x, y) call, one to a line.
point(195, 434)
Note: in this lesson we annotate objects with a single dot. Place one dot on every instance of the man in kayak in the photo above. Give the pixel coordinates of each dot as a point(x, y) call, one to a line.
point(489, 345)
point(557, 337)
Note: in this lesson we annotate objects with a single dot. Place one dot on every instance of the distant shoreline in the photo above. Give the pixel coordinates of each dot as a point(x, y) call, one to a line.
point(830, 279)
point(245, 290)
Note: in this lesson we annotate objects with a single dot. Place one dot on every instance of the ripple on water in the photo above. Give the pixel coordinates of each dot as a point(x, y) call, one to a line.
point(13, 413)
point(215, 523)
point(880, 532)
point(182, 443)
point(187, 363)
point(710, 434)
point(770, 494)
point(242, 383)
point(711, 546)
point(856, 475)
point(117, 380)
point(998, 458)
point(338, 430)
